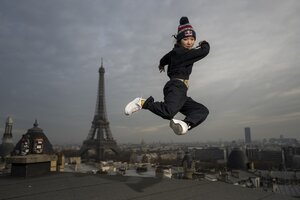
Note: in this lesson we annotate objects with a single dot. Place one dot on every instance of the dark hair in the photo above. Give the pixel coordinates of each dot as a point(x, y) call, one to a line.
point(176, 42)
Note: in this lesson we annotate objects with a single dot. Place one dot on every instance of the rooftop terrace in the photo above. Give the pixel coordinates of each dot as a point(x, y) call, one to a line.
point(77, 186)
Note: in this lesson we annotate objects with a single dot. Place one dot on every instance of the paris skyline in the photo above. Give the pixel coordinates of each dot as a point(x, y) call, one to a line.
point(51, 51)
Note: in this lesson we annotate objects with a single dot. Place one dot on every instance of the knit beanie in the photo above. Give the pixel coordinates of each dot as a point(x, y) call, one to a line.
point(185, 29)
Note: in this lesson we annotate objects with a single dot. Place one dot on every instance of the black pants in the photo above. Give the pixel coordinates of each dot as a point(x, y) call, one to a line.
point(176, 100)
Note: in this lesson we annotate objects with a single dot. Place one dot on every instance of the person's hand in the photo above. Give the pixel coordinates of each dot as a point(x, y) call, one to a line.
point(201, 43)
point(161, 68)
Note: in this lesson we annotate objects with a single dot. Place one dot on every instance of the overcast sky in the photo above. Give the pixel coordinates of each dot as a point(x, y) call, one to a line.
point(50, 53)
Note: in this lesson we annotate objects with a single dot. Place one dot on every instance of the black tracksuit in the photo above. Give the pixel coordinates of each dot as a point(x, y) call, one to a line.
point(180, 63)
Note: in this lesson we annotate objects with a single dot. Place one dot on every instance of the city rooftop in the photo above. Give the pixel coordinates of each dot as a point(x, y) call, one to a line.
point(78, 186)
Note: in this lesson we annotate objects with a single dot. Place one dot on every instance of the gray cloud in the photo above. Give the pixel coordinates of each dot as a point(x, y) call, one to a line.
point(50, 53)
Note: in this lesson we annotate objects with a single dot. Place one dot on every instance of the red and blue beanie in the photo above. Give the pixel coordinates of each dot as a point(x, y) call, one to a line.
point(185, 29)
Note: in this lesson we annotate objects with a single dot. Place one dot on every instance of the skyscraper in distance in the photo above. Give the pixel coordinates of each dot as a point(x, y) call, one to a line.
point(247, 135)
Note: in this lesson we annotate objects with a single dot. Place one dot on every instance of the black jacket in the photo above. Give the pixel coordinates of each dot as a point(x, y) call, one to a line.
point(180, 60)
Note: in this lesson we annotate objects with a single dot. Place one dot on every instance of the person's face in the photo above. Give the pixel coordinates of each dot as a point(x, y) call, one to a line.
point(187, 42)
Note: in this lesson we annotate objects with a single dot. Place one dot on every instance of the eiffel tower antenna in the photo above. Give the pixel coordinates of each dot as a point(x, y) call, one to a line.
point(100, 137)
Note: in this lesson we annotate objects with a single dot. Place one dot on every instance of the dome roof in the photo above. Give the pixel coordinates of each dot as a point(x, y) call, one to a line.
point(35, 128)
point(34, 135)
point(237, 159)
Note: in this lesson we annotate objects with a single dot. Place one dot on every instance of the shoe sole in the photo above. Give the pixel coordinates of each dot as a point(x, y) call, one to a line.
point(176, 128)
point(126, 110)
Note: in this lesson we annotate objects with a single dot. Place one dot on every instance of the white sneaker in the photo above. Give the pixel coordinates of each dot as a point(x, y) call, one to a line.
point(179, 127)
point(133, 106)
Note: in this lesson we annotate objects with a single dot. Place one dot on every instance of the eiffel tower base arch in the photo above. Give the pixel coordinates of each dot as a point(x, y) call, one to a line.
point(96, 150)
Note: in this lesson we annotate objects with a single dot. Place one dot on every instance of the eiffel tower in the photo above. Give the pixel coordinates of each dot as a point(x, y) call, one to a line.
point(99, 139)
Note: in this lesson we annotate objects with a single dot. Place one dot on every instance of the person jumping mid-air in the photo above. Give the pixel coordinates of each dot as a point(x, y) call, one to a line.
point(180, 62)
